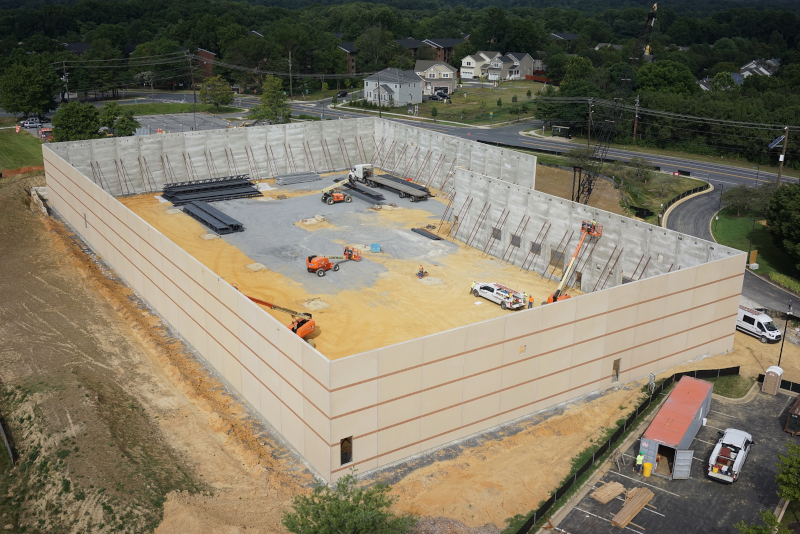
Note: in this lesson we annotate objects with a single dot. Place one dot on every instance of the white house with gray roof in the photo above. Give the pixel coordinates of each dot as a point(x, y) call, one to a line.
point(393, 87)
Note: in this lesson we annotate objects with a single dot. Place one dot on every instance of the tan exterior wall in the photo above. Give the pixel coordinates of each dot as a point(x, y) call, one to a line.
point(407, 398)
point(279, 375)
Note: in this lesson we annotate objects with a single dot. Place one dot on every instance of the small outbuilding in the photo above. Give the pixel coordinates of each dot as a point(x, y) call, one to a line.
point(666, 443)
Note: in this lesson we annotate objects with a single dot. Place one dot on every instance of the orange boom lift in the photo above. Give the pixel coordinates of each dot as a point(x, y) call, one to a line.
point(302, 323)
point(588, 228)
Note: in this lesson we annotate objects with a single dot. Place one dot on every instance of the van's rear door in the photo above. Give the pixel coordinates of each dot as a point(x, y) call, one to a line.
point(683, 465)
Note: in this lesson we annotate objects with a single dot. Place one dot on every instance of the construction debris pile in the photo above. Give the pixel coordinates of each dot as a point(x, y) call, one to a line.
point(297, 178)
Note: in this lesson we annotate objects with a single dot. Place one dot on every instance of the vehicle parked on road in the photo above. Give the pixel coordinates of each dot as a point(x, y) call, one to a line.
point(728, 456)
point(31, 123)
point(757, 324)
point(506, 297)
point(341, 94)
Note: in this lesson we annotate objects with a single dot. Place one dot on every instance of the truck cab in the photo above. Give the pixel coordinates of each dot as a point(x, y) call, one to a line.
point(506, 297)
point(729, 455)
point(361, 172)
point(757, 324)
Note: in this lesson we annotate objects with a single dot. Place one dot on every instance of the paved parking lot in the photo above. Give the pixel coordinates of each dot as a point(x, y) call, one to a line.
point(700, 504)
point(183, 122)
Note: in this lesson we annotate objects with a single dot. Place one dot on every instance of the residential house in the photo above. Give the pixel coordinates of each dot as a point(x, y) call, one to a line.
point(497, 69)
point(207, 66)
point(437, 76)
point(608, 45)
point(523, 66)
point(412, 44)
point(444, 47)
point(350, 50)
point(393, 87)
point(471, 65)
point(539, 65)
point(760, 67)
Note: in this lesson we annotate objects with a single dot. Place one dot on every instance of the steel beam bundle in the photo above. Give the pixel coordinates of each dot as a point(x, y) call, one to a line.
point(297, 178)
point(212, 218)
point(212, 190)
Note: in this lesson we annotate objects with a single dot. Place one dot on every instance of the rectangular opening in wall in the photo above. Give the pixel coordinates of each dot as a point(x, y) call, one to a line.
point(626, 279)
point(557, 259)
point(615, 371)
point(455, 221)
point(515, 240)
point(536, 248)
point(346, 450)
point(496, 233)
point(578, 279)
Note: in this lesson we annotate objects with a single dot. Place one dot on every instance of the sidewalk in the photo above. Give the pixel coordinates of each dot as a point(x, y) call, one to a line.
point(409, 117)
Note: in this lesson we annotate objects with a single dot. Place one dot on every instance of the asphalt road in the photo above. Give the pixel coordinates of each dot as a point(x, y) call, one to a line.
point(693, 216)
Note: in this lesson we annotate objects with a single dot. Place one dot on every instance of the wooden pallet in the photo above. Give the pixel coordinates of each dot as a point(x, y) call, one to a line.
point(636, 500)
point(607, 493)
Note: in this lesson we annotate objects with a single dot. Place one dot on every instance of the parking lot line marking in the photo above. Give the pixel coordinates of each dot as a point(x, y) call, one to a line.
point(607, 520)
point(726, 415)
point(645, 508)
point(698, 459)
point(645, 483)
point(704, 441)
point(715, 428)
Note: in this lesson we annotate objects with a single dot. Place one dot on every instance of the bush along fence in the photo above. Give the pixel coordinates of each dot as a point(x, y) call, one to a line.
point(539, 514)
point(5, 439)
point(682, 195)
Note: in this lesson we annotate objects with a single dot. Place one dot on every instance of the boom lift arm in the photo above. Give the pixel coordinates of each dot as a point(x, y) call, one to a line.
point(302, 323)
point(587, 229)
point(335, 186)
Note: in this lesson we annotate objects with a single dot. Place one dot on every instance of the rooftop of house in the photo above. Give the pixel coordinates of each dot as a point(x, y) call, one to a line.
point(565, 36)
point(445, 43)
point(424, 64)
point(608, 45)
point(517, 56)
point(348, 46)
point(392, 75)
point(410, 42)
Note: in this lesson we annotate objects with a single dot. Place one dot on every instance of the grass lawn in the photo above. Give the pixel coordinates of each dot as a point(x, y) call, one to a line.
point(165, 108)
point(735, 232)
point(19, 150)
point(650, 196)
point(792, 514)
point(466, 103)
point(733, 387)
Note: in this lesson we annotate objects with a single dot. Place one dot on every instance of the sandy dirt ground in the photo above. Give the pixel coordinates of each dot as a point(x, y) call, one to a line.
point(110, 415)
point(558, 182)
point(399, 307)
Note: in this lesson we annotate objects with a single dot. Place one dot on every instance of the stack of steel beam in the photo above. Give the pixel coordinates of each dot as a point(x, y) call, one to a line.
point(212, 217)
point(226, 188)
point(297, 178)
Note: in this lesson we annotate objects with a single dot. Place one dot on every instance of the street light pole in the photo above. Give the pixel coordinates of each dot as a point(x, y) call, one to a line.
point(788, 313)
point(783, 156)
point(747, 260)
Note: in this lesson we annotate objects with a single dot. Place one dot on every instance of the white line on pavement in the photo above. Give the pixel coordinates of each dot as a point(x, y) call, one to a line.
point(645, 483)
point(715, 411)
point(604, 519)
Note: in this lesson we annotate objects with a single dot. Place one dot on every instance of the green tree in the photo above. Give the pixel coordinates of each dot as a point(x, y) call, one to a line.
point(577, 68)
point(499, 102)
point(109, 114)
point(217, 91)
point(373, 49)
point(514, 99)
point(666, 77)
point(739, 197)
point(461, 51)
point(770, 526)
point(75, 122)
point(528, 94)
point(723, 82)
point(788, 477)
point(126, 124)
point(724, 66)
point(345, 509)
point(29, 90)
point(274, 106)
point(434, 113)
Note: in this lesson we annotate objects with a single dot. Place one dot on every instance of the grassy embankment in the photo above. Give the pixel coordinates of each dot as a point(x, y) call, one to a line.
point(736, 232)
point(18, 149)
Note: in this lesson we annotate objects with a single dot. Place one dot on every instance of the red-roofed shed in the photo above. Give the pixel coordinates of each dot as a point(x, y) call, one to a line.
point(675, 426)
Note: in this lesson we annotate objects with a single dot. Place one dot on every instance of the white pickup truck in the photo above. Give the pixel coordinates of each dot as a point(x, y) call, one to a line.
point(728, 456)
point(502, 295)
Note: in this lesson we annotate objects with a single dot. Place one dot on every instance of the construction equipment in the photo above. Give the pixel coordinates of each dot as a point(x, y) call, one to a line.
point(332, 194)
point(588, 229)
point(302, 323)
point(608, 128)
point(320, 264)
point(366, 174)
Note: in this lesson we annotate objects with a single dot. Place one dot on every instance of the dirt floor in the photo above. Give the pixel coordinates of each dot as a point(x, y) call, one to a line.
point(398, 307)
point(558, 182)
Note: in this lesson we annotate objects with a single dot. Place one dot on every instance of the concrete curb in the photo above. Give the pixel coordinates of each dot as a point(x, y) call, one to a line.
point(781, 509)
point(411, 117)
point(564, 511)
point(678, 203)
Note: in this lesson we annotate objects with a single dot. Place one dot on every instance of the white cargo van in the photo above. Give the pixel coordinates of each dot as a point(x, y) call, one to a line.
point(757, 324)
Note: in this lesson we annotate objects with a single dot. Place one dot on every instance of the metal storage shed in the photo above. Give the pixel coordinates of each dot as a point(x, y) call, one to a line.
point(673, 429)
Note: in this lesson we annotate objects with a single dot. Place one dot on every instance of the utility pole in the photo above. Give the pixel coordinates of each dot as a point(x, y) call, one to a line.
point(783, 155)
point(323, 100)
point(636, 118)
point(194, 93)
point(377, 90)
point(589, 137)
point(290, 76)
point(66, 77)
